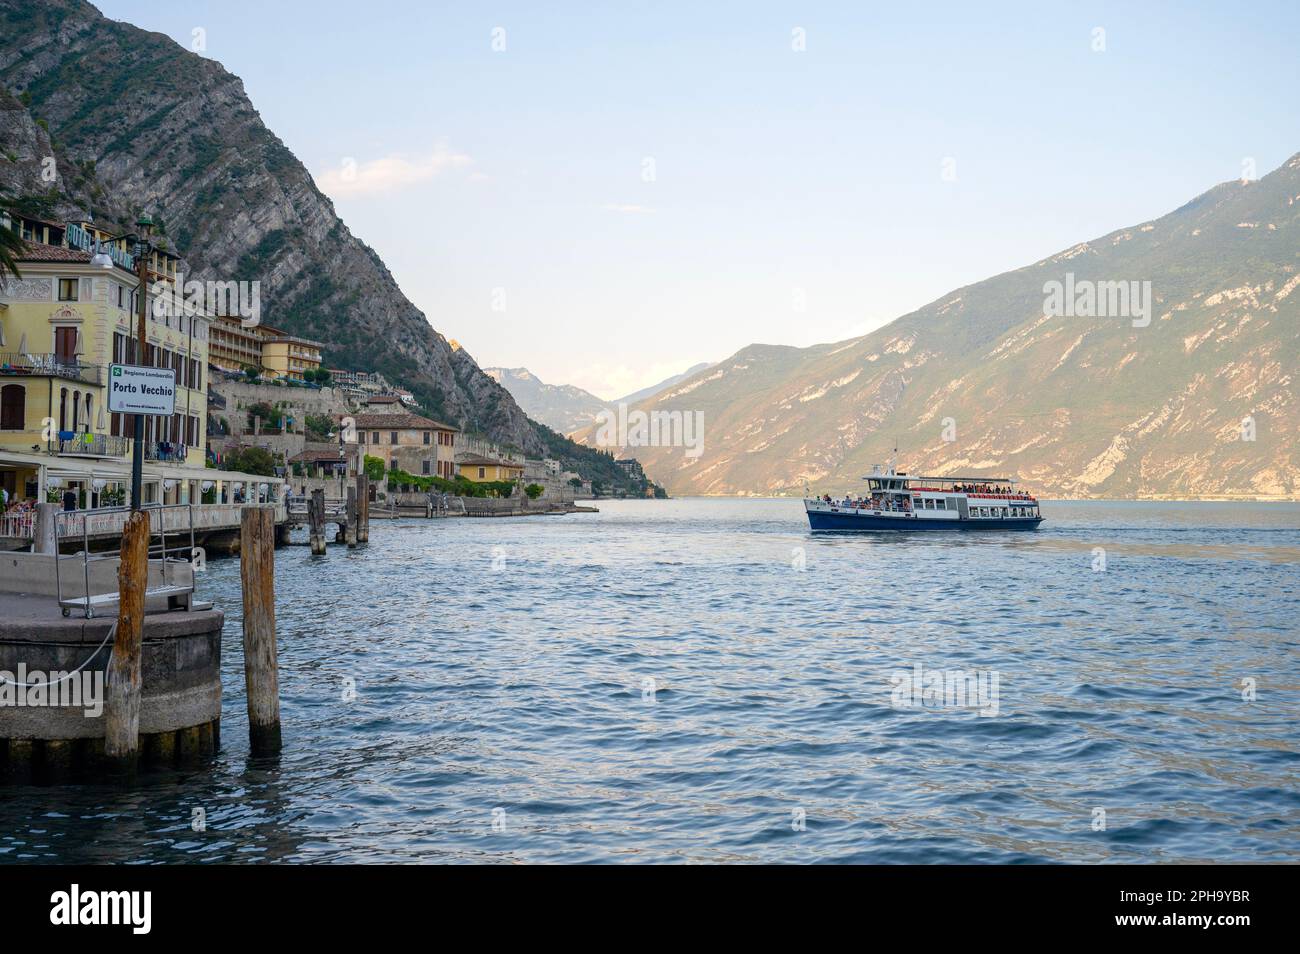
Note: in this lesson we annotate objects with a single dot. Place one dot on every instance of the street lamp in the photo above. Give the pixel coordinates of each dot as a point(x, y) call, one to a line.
point(101, 259)
point(140, 249)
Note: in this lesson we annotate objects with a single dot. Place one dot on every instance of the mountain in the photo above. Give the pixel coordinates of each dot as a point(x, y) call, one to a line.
point(564, 407)
point(986, 380)
point(647, 393)
point(560, 406)
point(136, 122)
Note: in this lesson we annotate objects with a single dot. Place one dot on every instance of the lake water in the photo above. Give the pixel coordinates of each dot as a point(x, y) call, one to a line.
point(704, 680)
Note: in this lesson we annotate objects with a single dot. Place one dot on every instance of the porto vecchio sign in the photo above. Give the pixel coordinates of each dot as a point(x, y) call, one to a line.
point(139, 390)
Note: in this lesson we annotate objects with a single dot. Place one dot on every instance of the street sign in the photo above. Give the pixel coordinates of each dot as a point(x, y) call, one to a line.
point(139, 390)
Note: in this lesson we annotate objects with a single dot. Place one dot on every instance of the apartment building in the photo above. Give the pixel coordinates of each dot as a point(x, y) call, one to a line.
point(272, 352)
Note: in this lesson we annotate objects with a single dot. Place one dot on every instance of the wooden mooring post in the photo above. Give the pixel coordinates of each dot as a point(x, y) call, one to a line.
point(122, 702)
point(261, 669)
point(363, 508)
point(316, 518)
point(350, 528)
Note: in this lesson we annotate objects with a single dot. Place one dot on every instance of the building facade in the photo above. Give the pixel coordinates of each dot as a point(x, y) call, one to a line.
point(232, 347)
point(482, 469)
point(288, 356)
point(63, 321)
point(415, 444)
point(358, 385)
point(272, 352)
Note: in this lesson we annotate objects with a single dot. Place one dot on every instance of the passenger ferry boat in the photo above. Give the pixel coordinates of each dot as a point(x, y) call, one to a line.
point(899, 502)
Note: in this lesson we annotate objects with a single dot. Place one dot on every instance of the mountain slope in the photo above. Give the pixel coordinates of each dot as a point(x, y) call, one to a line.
point(1076, 406)
point(560, 406)
point(140, 123)
point(564, 407)
point(647, 393)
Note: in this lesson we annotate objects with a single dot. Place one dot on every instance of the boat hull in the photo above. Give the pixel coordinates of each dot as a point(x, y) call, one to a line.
point(860, 522)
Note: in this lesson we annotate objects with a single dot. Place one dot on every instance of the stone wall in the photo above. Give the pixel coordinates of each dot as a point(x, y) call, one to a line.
point(240, 395)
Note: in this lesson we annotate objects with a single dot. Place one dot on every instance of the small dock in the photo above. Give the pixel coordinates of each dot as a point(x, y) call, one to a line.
point(56, 732)
point(108, 660)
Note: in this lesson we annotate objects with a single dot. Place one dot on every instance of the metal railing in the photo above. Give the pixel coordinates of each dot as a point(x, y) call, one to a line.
point(334, 506)
point(161, 554)
point(95, 445)
point(165, 451)
point(50, 365)
point(18, 523)
point(109, 521)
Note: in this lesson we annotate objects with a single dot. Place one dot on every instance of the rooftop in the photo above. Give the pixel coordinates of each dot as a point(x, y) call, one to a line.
point(39, 252)
point(478, 460)
point(312, 456)
point(390, 421)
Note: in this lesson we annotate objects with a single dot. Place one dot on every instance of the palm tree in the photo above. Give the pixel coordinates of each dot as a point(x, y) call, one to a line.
point(11, 244)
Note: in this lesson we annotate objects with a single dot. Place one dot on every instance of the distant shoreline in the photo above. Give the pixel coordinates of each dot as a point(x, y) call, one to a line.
point(1142, 499)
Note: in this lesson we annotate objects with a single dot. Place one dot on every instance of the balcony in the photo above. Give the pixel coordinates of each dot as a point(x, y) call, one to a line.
point(170, 452)
point(27, 364)
point(92, 445)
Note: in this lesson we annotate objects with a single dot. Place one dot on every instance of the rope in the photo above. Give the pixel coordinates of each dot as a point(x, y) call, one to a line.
point(33, 685)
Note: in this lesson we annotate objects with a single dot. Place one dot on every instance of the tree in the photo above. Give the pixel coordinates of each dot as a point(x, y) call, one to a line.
point(575, 482)
point(270, 416)
point(251, 460)
point(12, 244)
point(318, 427)
point(533, 491)
point(374, 468)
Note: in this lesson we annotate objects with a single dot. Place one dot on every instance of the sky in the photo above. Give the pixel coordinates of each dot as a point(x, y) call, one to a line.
point(607, 194)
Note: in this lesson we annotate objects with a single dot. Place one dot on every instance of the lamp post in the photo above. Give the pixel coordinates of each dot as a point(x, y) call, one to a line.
point(141, 252)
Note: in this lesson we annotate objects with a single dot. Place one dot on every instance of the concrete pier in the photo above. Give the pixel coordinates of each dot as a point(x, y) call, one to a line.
point(180, 709)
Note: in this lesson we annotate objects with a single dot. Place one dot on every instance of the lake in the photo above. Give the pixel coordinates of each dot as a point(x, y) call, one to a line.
point(703, 680)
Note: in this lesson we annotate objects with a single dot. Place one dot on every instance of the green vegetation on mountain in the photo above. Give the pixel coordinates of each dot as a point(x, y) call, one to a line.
point(1199, 402)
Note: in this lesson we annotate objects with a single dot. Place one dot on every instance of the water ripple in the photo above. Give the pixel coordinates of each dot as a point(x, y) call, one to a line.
point(659, 682)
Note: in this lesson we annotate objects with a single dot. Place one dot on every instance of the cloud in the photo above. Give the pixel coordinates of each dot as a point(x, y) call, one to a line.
point(388, 174)
point(627, 209)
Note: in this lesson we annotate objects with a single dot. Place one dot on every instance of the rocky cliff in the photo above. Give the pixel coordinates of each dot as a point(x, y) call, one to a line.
point(136, 122)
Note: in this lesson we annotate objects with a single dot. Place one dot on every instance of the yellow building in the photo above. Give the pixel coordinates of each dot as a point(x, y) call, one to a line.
point(63, 320)
point(234, 347)
point(479, 469)
point(273, 353)
point(287, 356)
